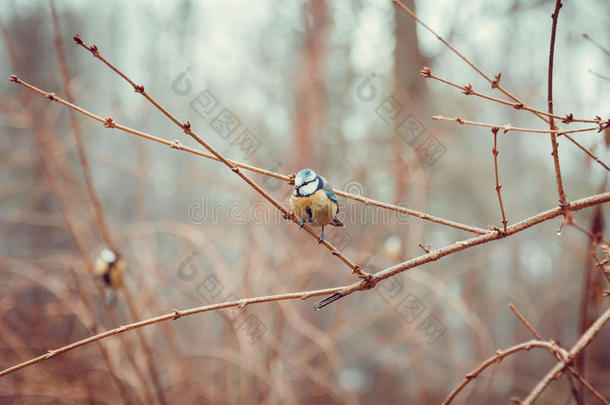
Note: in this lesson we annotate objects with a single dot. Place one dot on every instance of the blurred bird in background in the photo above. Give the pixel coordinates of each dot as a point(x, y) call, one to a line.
point(313, 201)
point(111, 268)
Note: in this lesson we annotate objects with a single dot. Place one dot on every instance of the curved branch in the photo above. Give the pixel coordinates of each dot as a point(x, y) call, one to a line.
point(498, 357)
point(584, 340)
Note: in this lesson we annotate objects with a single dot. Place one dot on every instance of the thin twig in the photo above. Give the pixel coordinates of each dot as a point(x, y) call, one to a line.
point(507, 128)
point(555, 153)
point(524, 321)
point(594, 42)
point(494, 151)
point(599, 75)
point(468, 90)
point(408, 211)
point(591, 155)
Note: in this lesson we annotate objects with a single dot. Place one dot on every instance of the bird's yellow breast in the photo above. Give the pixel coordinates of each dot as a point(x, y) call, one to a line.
point(322, 209)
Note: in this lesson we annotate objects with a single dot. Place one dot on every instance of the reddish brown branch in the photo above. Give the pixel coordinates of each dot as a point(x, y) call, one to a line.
point(498, 186)
point(591, 155)
point(555, 153)
point(468, 90)
point(508, 128)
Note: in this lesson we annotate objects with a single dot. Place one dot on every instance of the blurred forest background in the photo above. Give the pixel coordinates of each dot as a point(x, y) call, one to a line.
point(308, 81)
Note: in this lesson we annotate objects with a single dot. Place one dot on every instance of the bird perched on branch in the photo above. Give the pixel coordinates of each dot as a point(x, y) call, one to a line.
point(313, 201)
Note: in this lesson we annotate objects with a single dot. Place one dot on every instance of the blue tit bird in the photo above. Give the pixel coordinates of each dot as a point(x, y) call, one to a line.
point(313, 201)
point(111, 267)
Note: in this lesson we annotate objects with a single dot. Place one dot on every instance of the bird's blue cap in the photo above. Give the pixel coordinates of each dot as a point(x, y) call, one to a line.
point(304, 176)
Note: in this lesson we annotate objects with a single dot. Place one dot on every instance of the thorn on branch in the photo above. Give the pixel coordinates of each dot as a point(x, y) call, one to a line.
point(426, 249)
point(468, 89)
point(78, 39)
point(138, 88)
point(176, 144)
point(518, 106)
point(13, 78)
point(496, 82)
point(50, 96)
point(177, 314)
point(459, 120)
point(425, 72)
point(109, 123)
point(291, 177)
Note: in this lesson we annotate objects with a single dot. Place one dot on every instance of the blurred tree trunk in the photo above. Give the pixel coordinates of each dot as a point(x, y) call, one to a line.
point(310, 89)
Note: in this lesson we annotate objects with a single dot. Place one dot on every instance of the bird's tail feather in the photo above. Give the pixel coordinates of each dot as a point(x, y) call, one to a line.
point(336, 222)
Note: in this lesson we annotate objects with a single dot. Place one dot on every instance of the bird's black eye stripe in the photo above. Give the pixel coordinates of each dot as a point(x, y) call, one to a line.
point(306, 183)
